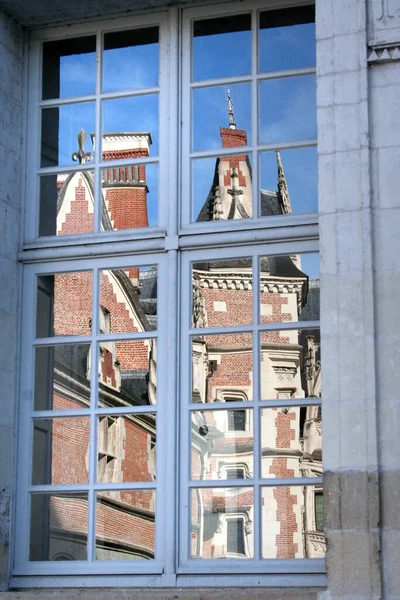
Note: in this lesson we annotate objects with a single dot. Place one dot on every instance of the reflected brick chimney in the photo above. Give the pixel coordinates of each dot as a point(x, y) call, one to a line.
point(125, 189)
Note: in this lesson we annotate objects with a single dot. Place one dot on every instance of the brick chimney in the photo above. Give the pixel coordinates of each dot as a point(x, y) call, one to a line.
point(125, 189)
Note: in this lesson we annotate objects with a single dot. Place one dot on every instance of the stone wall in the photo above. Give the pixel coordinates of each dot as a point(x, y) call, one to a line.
point(11, 55)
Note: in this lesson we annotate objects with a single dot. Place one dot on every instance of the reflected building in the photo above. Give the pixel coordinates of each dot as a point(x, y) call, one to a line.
point(222, 372)
point(125, 371)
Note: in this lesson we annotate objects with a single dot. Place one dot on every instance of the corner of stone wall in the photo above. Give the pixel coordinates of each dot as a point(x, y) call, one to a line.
point(11, 66)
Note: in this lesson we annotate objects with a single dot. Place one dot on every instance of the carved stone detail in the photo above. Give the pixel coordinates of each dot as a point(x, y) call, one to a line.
point(384, 53)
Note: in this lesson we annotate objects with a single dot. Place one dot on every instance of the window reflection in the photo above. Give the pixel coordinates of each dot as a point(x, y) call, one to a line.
point(287, 39)
point(222, 443)
point(289, 525)
point(125, 525)
point(59, 524)
point(288, 110)
point(69, 68)
point(130, 59)
point(222, 523)
point(222, 47)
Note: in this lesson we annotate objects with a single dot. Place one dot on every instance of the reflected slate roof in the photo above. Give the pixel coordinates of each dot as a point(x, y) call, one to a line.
point(270, 200)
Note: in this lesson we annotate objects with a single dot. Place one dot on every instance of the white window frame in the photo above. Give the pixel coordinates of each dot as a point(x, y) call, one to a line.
point(159, 245)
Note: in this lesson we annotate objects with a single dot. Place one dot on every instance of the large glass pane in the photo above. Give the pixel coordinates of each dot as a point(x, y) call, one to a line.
point(222, 443)
point(127, 373)
point(128, 300)
point(222, 293)
point(125, 525)
point(222, 523)
point(222, 366)
point(289, 182)
point(222, 47)
point(69, 67)
point(130, 59)
point(60, 450)
point(126, 448)
point(222, 188)
point(288, 110)
point(130, 127)
point(60, 128)
point(290, 364)
point(130, 193)
point(66, 203)
point(289, 286)
point(287, 38)
point(62, 377)
point(289, 528)
point(64, 304)
point(221, 117)
point(58, 527)
point(291, 442)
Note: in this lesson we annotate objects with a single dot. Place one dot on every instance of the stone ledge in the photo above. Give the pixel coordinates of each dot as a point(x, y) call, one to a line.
point(166, 594)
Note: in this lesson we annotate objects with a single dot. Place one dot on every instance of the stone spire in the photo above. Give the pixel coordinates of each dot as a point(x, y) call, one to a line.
point(232, 124)
point(283, 191)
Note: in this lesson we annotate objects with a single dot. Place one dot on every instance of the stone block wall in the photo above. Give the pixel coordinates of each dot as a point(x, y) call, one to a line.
point(11, 63)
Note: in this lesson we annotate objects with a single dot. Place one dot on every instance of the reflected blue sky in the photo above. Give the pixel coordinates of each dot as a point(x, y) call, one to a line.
point(77, 75)
point(289, 47)
point(136, 114)
point(221, 54)
point(210, 113)
point(300, 166)
point(288, 109)
point(310, 264)
point(134, 67)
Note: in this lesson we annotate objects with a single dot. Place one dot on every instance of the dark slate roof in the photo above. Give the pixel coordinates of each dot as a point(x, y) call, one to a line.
point(310, 311)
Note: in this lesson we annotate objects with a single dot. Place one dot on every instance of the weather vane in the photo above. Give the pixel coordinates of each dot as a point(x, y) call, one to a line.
point(81, 155)
point(232, 124)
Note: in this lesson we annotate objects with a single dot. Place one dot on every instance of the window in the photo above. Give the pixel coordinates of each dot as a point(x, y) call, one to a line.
point(172, 271)
point(235, 536)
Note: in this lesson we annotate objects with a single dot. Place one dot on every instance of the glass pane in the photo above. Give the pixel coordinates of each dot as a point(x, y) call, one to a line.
point(222, 188)
point(127, 373)
point(288, 523)
point(222, 293)
point(289, 182)
point(125, 525)
point(221, 117)
point(64, 304)
point(59, 527)
point(289, 286)
point(288, 110)
point(222, 523)
point(291, 442)
point(62, 377)
point(60, 450)
point(60, 128)
point(128, 300)
point(66, 203)
point(130, 59)
point(290, 364)
point(130, 194)
point(69, 67)
point(319, 511)
point(287, 38)
point(222, 47)
point(130, 127)
point(126, 448)
point(222, 443)
point(222, 366)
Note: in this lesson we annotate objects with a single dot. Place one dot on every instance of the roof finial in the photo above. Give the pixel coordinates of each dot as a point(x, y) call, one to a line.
point(81, 155)
point(232, 124)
